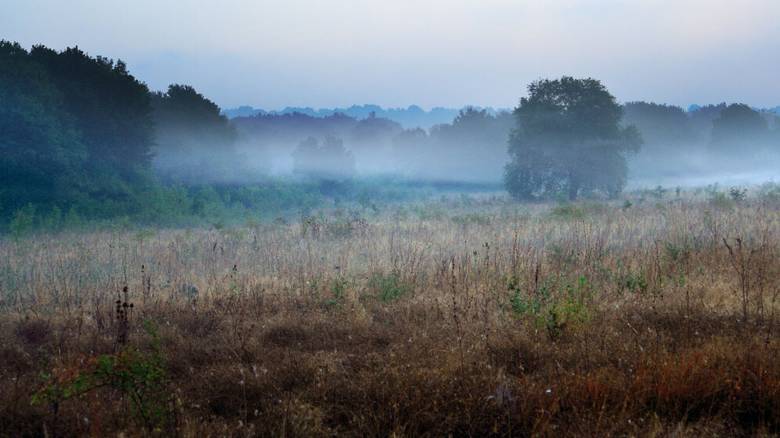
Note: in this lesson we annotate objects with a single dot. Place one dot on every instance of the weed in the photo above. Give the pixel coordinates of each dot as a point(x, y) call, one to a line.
point(136, 375)
point(388, 287)
point(634, 282)
point(338, 288)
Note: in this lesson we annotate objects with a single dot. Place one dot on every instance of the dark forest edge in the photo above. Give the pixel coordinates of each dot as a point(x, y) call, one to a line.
point(85, 143)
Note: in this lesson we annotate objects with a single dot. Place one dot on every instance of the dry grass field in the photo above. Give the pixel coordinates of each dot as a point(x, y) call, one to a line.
point(472, 316)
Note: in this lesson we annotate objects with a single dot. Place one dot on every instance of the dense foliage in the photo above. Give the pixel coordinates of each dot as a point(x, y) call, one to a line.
point(568, 140)
point(74, 130)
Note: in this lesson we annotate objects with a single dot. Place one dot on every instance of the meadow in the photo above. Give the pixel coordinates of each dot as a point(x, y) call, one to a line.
point(651, 315)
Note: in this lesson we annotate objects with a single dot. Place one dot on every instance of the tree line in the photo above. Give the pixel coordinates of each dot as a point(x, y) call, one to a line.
point(80, 134)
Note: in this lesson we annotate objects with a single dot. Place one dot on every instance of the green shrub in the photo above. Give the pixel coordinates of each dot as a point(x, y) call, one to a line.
point(550, 307)
point(338, 287)
point(388, 287)
point(634, 282)
point(139, 376)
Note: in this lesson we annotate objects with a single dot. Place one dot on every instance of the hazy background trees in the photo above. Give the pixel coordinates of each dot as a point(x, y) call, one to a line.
point(194, 143)
point(738, 129)
point(325, 160)
point(472, 148)
point(80, 135)
point(663, 127)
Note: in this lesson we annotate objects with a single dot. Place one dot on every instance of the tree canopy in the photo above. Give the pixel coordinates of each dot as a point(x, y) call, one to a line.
point(568, 139)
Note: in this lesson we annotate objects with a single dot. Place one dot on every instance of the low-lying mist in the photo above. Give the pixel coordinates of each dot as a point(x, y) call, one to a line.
point(679, 148)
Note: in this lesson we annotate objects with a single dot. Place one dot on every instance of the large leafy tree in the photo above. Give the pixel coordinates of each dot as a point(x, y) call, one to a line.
point(568, 139)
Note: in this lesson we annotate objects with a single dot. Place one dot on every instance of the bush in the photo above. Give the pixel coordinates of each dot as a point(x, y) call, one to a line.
point(138, 376)
point(388, 287)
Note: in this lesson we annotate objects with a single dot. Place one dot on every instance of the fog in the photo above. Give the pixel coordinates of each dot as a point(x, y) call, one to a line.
point(691, 147)
point(84, 134)
point(702, 168)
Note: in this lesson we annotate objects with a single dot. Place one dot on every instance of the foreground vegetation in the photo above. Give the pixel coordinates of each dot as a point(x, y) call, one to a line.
point(471, 315)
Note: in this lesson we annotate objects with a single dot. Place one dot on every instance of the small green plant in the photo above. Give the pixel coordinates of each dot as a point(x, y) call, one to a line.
point(634, 282)
point(338, 288)
point(572, 307)
point(388, 287)
point(552, 308)
point(677, 252)
point(522, 305)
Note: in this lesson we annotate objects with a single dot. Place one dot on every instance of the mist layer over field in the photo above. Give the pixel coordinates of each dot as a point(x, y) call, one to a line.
point(472, 148)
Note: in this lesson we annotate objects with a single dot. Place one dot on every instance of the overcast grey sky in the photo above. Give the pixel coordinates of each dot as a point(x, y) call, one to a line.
point(321, 53)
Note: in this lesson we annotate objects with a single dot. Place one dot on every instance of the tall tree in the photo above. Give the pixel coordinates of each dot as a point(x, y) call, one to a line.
point(568, 139)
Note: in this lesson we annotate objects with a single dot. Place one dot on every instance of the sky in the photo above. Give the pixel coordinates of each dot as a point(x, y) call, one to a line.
point(327, 53)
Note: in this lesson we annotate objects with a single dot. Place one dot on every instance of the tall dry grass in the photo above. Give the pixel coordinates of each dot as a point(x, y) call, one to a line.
point(466, 318)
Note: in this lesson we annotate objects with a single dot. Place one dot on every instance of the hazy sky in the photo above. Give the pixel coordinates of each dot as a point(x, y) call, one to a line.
point(320, 53)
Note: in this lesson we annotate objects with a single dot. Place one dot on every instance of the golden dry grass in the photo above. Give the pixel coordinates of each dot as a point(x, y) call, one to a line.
point(449, 318)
